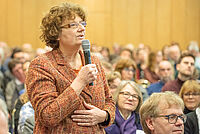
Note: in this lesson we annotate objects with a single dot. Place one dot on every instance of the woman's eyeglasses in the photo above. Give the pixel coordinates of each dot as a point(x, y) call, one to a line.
point(192, 94)
point(127, 95)
point(128, 69)
point(74, 25)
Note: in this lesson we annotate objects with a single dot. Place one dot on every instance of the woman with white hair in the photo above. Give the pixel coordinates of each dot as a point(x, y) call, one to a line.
point(128, 98)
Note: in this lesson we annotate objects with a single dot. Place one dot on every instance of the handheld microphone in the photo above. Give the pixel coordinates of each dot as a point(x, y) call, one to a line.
point(86, 51)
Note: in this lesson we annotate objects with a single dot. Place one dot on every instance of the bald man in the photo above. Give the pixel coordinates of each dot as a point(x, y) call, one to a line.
point(165, 73)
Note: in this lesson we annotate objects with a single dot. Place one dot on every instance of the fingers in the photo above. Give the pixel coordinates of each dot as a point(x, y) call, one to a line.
point(89, 73)
point(81, 117)
point(86, 124)
point(83, 120)
point(92, 69)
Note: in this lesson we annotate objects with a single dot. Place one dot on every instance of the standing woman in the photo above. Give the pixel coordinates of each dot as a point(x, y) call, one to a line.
point(58, 81)
point(128, 99)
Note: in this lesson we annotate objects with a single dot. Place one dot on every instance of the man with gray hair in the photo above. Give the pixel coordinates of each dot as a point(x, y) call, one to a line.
point(162, 113)
point(165, 71)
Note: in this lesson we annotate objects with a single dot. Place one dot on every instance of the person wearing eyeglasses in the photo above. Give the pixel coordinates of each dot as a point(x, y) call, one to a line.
point(162, 113)
point(128, 98)
point(58, 81)
point(127, 68)
point(190, 93)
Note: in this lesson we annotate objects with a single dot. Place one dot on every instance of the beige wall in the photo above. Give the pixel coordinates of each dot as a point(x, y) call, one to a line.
point(152, 22)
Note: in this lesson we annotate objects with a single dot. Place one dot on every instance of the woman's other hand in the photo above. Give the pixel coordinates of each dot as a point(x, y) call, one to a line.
point(89, 117)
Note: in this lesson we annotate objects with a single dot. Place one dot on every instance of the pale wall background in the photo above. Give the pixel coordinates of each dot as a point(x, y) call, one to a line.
point(152, 22)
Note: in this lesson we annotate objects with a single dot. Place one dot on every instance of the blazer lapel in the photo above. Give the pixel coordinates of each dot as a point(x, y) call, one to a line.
point(62, 66)
point(66, 70)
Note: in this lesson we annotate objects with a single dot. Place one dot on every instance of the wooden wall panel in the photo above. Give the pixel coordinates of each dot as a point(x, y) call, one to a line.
point(119, 21)
point(152, 22)
point(163, 23)
point(3, 22)
point(178, 29)
point(29, 23)
point(192, 20)
point(148, 21)
point(134, 22)
point(14, 23)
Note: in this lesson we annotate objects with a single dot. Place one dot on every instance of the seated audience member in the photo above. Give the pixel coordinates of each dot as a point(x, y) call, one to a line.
point(114, 79)
point(190, 93)
point(128, 100)
point(126, 53)
point(159, 56)
point(116, 51)
point(192, 125)
point(17, 54)
point(151, 71)
point(127, 69)
point(3, 120)
point(141, 60)
point(105, 52)
point(16, 86)
point(165, 72)
point(194, 49)
point(162, 113)
point(20, 102)
point(185, 67)
point(174, 55)
point(165, 52)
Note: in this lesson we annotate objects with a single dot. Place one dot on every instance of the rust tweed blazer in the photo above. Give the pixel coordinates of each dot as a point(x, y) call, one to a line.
point(54, 101)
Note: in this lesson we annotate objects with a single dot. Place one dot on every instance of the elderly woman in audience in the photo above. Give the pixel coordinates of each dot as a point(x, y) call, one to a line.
point(190, 93)
point(114, 79)
point(128, 100)
point(127, 69)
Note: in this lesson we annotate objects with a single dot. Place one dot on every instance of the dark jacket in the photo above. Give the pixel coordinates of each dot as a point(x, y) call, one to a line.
point(191, 126)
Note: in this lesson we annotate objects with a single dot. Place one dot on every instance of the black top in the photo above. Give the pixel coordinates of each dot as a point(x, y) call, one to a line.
point(187, 111)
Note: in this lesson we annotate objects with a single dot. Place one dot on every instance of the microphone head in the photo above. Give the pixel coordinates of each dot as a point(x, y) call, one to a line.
point(86, 44)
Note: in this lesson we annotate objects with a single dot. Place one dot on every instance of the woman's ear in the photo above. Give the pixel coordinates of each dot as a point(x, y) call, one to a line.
point(149, 123)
